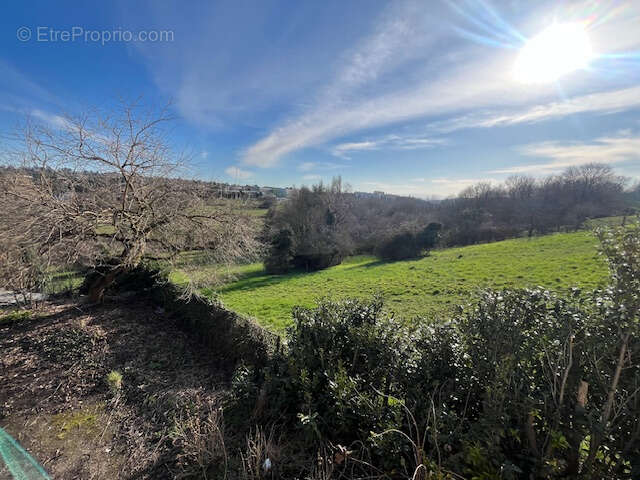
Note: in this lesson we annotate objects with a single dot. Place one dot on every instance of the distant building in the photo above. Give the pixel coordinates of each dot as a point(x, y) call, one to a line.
point(252, 191)
point(280, 192)
point(375, 194)
point(229, 192)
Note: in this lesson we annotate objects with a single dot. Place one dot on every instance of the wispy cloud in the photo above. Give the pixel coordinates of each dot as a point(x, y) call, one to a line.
point(238, 173)
point(621, 148)
point(53, 120)
point(309, 166)
point(233, 65)
point(472, 83)
point(464, 85)
point(19, 91)
point(307, 78)
point(228, 64)
point(342, 150)
point(357, 98)
point(391, 142)
point(321, 125)
point(311, 176)
point(602, 103)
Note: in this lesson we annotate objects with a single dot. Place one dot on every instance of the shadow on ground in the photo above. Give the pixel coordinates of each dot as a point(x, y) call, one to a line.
point(56, 401)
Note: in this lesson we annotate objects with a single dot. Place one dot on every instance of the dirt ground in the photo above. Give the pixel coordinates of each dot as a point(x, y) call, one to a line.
point(55, 398)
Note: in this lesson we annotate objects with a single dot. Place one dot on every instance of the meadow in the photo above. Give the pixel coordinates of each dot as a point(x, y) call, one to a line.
point(428, 287)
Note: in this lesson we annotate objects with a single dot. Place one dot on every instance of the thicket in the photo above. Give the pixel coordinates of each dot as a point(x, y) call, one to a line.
point(410, 244)
point(310, 231)
point(525, 384)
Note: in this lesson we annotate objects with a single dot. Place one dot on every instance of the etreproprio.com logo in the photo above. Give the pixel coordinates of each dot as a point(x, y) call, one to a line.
point(46, 34)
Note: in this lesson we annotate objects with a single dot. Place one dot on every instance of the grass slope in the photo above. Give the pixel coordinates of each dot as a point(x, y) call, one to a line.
point(422, 287)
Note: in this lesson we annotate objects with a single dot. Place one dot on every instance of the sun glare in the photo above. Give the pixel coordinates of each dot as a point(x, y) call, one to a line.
point(556, 51)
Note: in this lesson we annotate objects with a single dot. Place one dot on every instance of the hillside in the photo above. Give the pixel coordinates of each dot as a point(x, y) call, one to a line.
point(57, 399)
point(422, 287)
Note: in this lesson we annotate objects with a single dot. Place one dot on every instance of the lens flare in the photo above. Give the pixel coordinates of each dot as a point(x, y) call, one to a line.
point(560, 49)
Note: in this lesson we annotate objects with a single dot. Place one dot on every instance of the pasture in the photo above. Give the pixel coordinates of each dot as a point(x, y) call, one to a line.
point(427, 287)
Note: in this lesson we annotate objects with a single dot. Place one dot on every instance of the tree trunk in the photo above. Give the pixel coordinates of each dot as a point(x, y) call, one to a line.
point(531, 435)
point(575, 437)
point(608, 406)
point(100, 285)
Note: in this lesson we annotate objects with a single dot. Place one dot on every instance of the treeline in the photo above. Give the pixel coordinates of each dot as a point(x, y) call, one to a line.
point(484, 212)
point(321, 225)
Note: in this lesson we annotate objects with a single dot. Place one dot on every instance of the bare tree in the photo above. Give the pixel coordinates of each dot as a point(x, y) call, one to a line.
point(105, 191)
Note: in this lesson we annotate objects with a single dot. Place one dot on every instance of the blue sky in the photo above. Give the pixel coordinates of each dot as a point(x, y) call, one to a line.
point(409, 97)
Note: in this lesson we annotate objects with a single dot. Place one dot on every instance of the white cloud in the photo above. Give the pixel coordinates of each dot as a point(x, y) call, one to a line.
point(327, 122)
point(405, 189)
point(19, 91)
point(391, 142)
point(456, 81)
point(418, 143)
point(308, 166)
point(55, 121)
point(227, 64)
point(343, 149)
point(353, 100)
point(238, 173)
point(601, 102)
point(311, 177)
point(70, 124)
point(613, 150)
point(412, 63)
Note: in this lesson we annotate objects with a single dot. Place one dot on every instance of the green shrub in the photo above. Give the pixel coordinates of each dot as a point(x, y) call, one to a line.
point(524, 384)
point(318, 261)
point(409, 244)
point(114, 380)
point(15, 317)
point(339, 356)
point(430, 235)
point(516, 345)
point(400, 247)
point(281, 253)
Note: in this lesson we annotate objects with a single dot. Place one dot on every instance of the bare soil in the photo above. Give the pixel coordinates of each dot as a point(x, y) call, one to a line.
point(56, 401)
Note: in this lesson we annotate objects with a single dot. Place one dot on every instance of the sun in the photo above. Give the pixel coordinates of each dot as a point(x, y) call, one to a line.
point(558, 50)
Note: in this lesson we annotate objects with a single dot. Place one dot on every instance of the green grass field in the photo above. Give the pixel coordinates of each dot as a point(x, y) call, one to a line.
point(424, 287)
point(61, 281)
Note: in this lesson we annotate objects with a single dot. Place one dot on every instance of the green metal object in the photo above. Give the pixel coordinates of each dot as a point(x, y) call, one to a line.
point(17, 461)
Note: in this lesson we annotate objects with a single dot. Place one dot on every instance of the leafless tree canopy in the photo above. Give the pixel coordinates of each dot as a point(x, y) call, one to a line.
point(107, 190)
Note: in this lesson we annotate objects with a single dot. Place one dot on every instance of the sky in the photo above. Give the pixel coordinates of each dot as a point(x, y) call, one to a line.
point(419, 98)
